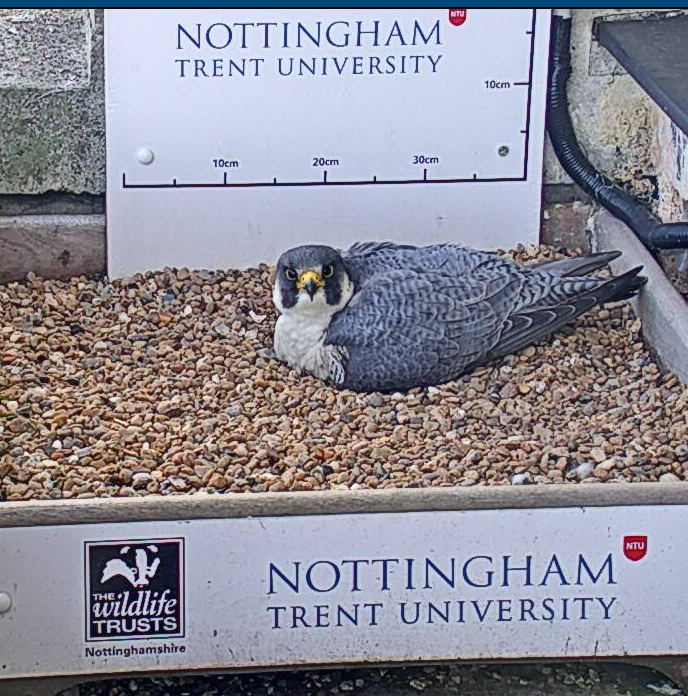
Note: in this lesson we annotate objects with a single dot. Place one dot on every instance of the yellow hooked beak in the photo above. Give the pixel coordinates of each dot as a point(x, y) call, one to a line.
point(310, 281)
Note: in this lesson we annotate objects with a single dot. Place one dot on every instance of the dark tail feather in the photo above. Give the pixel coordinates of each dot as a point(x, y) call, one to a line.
point(525, 328)
point(580, 266)
point(630, 288)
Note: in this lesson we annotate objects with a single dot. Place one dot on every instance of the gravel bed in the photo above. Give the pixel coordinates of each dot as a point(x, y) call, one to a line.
point(164, 384)
point(600, 679)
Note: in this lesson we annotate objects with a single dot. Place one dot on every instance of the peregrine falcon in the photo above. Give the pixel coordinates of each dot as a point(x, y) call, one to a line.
point(390, 317)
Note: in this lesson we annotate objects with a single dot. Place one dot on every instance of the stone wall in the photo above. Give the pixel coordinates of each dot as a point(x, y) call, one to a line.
point(52, 123)
point(52, 113)
point(610, 112)
point(621, 129)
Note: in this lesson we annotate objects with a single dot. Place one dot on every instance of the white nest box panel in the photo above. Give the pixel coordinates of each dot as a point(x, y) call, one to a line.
point(234, 134)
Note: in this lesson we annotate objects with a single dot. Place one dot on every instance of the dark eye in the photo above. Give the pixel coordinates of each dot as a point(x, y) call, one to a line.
point(290, 273)
point(328, 271)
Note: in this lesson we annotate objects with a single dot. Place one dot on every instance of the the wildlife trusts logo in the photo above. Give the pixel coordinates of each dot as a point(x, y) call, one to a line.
point(134, 589)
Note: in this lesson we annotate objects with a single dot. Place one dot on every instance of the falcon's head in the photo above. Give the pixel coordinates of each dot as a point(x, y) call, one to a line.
point(311, 280)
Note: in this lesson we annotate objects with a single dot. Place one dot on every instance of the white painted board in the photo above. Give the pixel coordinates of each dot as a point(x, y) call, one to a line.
point(233, 134)
point(334, 589)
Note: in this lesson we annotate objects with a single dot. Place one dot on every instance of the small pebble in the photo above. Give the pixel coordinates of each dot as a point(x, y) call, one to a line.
point(584, 470)
point(376, 400)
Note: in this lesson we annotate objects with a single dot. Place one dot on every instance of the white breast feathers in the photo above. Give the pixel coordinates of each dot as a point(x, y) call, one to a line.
point(300, 334)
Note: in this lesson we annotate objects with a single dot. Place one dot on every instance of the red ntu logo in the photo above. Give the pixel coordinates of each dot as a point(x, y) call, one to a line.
point(635, 547)
point(458, 17)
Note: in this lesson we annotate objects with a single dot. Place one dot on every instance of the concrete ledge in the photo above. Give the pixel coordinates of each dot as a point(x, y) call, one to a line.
point(51, 246)
point(33, 513)
point(663, 311)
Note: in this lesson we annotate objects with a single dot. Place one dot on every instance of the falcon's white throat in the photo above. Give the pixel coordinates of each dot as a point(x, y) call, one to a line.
point(300, 330)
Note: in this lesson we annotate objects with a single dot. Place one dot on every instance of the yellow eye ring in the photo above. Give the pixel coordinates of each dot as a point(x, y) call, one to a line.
point(328, 271)
point(290, 273)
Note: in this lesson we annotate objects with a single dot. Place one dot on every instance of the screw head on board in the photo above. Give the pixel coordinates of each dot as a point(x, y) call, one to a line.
point(5, 602)
point(503, 150)
point(145, 155)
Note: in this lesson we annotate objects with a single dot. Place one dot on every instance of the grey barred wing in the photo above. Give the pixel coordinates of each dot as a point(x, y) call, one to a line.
point(366, 260)
point(404, 328)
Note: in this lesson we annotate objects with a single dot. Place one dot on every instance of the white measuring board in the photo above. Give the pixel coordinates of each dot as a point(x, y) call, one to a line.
point(344, 588)
point(233, 134)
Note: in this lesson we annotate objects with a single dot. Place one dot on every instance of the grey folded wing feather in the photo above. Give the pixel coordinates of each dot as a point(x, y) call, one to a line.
point(423, 316)
point(533, 323)
point(407, 328)
point(404, 329)
point(365, 260)
point(368, 248)
point(578, 265)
